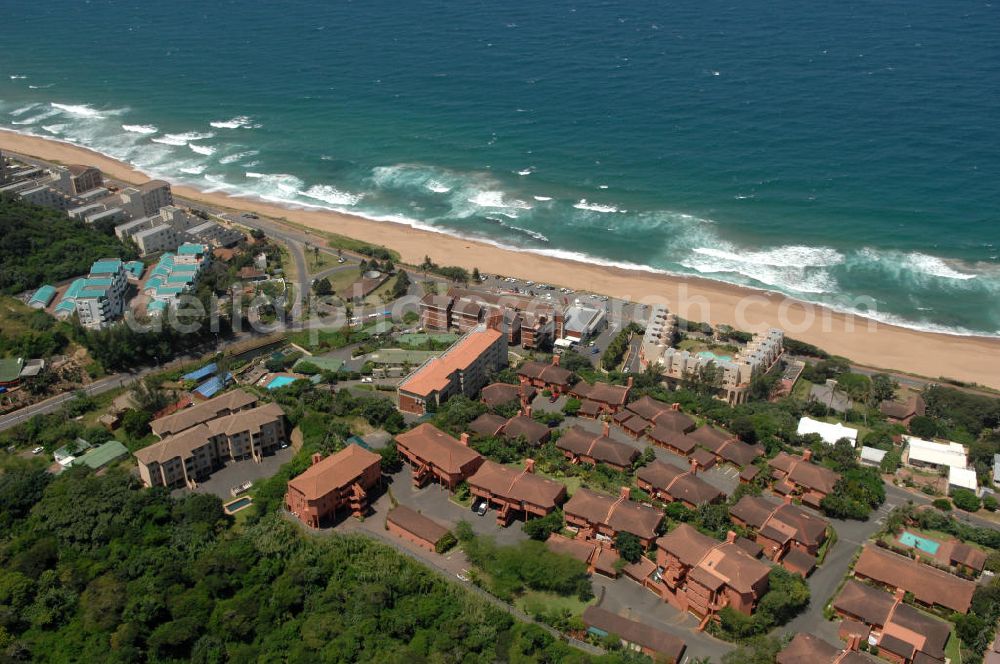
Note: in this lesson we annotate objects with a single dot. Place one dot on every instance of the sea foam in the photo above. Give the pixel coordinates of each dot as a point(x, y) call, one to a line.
point(140, 129)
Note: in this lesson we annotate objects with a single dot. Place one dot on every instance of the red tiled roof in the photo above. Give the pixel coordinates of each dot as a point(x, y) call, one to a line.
point(601, 448)
point(518, 485)
point(334, 472)
point(487, 424)
point(435, 375)
point(723, 560)
point(617, 513)
point(498, 394)
point(436, 447)
point(667, 646)
point(927, 584)
point(606, 393)
point(545, 372)
point(416, 523)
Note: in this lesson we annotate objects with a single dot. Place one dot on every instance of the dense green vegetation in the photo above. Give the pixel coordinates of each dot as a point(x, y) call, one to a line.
point(787, 596)
point(615, 351)
point(29, 333)
point(39, 245)
point(459, 274)
point(97, 570)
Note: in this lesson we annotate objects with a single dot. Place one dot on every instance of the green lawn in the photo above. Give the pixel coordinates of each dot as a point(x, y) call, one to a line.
point(953, 651)
point(534, 599)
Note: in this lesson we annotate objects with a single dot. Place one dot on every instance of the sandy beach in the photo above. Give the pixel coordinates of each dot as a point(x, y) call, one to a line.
point(970, 359)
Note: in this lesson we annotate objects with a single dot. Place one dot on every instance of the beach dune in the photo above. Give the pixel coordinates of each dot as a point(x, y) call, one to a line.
point(879, 345)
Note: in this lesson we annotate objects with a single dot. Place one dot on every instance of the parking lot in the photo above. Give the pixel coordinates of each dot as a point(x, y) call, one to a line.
point(237, 472)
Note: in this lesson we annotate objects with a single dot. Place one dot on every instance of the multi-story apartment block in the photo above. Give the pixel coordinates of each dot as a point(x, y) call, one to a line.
point(658, 337)
point(76, 179)
point(338, 482)
point(146, 199)
point(514, 492)
point(526, 321)
point(437, 456)
point(462, 369)
point(602, 517)
point(100, 297)
point(192, 455)
point(760, 354)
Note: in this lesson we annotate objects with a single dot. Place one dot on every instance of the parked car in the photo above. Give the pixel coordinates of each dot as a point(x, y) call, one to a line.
point(595, 351)
point(37, 450)
point(480, 506)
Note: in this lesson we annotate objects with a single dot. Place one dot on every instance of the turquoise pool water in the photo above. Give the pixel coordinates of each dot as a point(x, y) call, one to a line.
point(280, 381)
point(237, 505)
point(918, 542)
point(709, 355)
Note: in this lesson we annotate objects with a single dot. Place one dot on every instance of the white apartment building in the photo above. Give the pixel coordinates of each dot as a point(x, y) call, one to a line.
point(101, 297)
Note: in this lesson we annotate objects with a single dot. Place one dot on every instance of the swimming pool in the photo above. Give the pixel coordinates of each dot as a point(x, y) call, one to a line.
point(709, 355)
point(918, 542)
point(279, 381)
point(238, 504)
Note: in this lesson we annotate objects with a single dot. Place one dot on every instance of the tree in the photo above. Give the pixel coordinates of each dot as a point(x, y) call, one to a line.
point(965, 500)
point(475, 275)
point(572, 406)
point(923, 426)
point(883, 388)
point(323, 287)
point(628, 546)
point(401, 285)
point(136, 423)
point(540, 528)
point(942, 504)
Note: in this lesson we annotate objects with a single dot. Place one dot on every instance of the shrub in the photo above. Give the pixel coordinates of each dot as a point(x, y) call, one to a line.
point(447, 541)
point(990, 503)
point(965, 500)
point(942, 504)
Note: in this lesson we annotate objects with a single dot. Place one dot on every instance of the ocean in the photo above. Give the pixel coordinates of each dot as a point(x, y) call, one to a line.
point(846, 153)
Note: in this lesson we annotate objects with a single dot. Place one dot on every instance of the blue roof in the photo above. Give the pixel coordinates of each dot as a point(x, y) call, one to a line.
point(156, 306)
point(68, 306)
point(74, 289)
point(106, 266)
point(135, 268)
point(190, 249)
point(99, 281)
point(43, 295)
point(170, 290)
point(198, 374)
point(178, 278)
point(213, 385)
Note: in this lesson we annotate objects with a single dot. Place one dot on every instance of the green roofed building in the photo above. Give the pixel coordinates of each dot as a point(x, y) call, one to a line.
point(10, 371)
point(135, 269)
point(102, 455)
point(324, 363)
point(42, 297)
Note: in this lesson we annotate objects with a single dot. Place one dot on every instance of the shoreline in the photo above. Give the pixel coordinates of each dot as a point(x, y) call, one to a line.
point(863, 340)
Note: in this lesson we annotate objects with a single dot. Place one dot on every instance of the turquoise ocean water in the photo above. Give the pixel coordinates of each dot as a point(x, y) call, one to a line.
point(830, 151)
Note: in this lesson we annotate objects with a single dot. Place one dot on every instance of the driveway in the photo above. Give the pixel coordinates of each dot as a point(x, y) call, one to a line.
point(237, 472)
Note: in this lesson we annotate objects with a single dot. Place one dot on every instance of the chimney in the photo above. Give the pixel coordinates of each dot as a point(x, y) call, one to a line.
point(629, 384)
point(529, 465)
point(625, 493)
point(527, 411)
point(464, 439)
point(788, 499)
point(731, 537)
point(555, 360)
point(807, 455)
point(694, 467)
point(854, 643)
point(607, 428)
point(316, 458)
point(675, 406)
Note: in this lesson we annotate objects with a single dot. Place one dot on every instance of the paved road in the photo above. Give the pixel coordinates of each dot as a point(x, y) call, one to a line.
point(55, 403)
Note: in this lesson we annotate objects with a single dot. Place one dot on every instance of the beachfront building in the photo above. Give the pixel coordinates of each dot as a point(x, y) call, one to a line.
point(702, 575)
point(193, 454)
point(436, 456)
point(583, 323)
point(661, 331)
point(526, 320)
point(462, 369)
point(581, 446)
point(174, 275)
point(758, 357)
point(546, 376)
point(98, 298)
point(922, 453)
point(901, 633)
point(928, 585)
point(515, 492)
point(596, 516)
point(76, 179)
point(669, 483)
point(901, 412)
point(146, 199)
point(340, 482)
point(828, 433)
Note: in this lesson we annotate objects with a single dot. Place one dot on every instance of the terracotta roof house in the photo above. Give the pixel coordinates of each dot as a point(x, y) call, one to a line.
point(633, 425)
point(903, 633)
point(597, 557)
point(514, 492)
point(193, 454)
point(702, 575)
point(437, 456)
point(726, 447)
point(799, 562)
point(339, 481)
point(929, 585)
point(414, 527)
point(807, 479)
point(903, 411)
point(749, 474)
point(579, 445)
point(670, 483)
point(523, 427)
point(666, 414)
point(808, 649)
point(488, 424)
point(702, 458)
point(544, 376)
point(780, 527)
point(676, 441)
point(608, 398)
point(224, 404)
point(599, 516)
point(655, 643)
point(500, 394)
point(462, 369)
point(961, 555)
